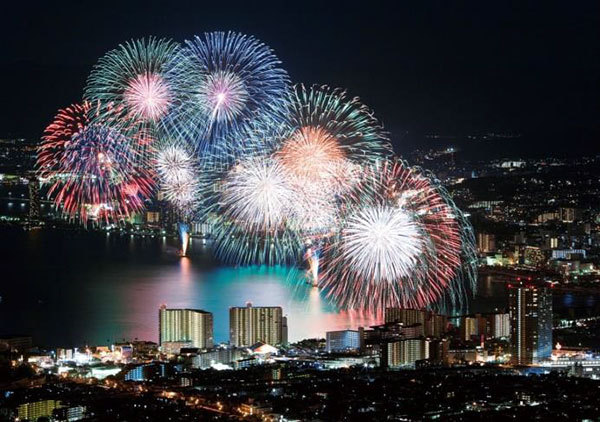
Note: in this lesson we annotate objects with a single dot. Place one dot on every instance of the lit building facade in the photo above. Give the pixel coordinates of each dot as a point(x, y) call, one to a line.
point(530, 310)
point(404, 353)
point(433, 324)
point(38, 409)
point(501, 325)
point(486, 243)
point(186, 325)
point(249, 325)
point(343, 341)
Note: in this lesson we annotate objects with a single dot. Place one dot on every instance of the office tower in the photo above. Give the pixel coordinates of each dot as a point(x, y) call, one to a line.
point(530, 310)
point(181, 325)
point(343, 341)
point(249, 325)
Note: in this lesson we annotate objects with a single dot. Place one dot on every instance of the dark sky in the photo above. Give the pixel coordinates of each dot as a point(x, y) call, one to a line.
point(423, 66)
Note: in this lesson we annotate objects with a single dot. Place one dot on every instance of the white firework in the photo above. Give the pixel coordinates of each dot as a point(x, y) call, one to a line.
point(178, 176)
point(382, 243)
point(257, 194)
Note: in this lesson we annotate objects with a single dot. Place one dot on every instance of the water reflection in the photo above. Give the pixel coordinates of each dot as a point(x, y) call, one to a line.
point(66, 288)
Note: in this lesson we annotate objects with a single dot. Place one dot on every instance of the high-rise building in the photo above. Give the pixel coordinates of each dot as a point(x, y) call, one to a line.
point(249, 325)
point(486, 243)
point(468, 327)
point(284, 332)
point(343, 341)
point(404, 352)
point(181, 325)
point(501, 325)
point(530, 310)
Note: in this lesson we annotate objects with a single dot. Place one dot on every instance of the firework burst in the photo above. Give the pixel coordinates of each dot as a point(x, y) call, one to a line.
point(129, 82)
point(402, 242)
point(327, 137)
point(92, 171)
point(224, 83)
point(253, 208)
point(179, 177)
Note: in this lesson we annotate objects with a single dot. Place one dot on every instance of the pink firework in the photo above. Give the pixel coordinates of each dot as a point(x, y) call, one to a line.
point(147, 97)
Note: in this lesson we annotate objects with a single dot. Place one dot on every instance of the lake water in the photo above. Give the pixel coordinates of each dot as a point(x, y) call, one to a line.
point(69, 288)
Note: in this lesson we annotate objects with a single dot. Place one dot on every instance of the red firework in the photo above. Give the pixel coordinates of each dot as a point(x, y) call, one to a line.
point(402, 243)
point(93, 170)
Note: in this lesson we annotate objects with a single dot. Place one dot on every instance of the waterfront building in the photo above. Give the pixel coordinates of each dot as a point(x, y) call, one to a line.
point(249, 325)
point(343, 341)
point(530, 309)
point(182, 325)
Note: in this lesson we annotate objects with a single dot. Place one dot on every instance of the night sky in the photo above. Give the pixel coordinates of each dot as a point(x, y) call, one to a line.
point(424, 67)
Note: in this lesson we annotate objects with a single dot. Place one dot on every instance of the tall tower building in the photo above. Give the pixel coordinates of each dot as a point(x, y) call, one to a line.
point(530, 313)
point(249, 325)
point(195, 325)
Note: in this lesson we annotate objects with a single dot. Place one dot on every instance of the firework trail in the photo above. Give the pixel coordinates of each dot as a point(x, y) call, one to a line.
point(402, 242)
point(184, 236)
point(223, 84)
point(92, 171)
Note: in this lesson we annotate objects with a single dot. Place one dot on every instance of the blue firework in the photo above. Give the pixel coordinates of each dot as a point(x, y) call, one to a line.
point(224, 84)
